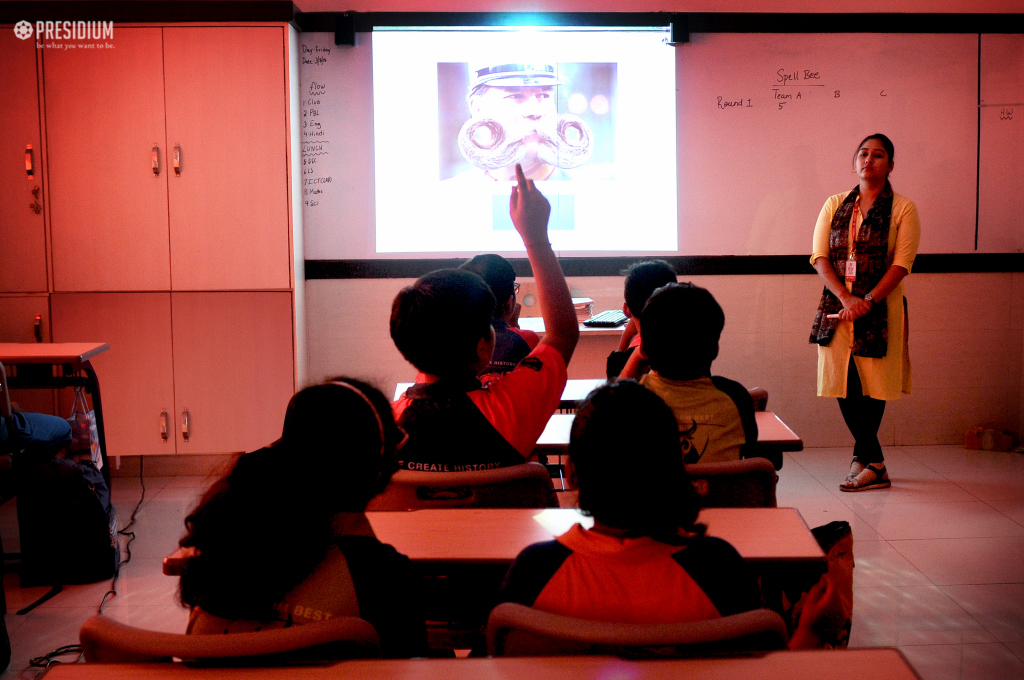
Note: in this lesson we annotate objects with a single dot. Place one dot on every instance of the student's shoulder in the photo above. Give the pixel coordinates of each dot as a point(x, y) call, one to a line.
point(736, 390)
point(728, 385)
point(707, 551)
point(531, 571)
point(543, 360)
point(370, 548)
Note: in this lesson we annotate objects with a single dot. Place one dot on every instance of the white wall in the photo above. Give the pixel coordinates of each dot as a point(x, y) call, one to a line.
point(966, 348)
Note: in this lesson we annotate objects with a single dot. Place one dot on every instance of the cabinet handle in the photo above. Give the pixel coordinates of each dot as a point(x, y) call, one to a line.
point(29, 163)
point(37, 328)
point(165, 425)
point(156, 160)
point(177, 159)
point(186, 424)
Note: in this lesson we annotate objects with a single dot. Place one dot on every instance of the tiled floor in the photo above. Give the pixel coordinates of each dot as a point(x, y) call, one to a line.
point(940, 560)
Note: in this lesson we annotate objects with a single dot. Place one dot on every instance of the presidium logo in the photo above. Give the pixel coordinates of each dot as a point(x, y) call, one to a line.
point(66, 35)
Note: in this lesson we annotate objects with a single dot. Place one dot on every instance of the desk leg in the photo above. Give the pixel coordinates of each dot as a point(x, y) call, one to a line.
point(93, 388)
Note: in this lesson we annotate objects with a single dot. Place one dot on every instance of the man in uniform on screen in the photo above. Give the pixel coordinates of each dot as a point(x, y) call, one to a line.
point(515, 120)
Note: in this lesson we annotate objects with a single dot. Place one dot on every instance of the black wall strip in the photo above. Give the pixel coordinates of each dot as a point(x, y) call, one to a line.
point(157, 11)
point(727, 265)
point(694, 22)
point(161, 11)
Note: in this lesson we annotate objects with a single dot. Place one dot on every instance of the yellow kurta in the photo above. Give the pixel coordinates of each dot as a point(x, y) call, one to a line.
point(887, 377)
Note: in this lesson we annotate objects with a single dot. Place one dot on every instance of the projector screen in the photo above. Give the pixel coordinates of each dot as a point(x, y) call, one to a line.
point(590, 114)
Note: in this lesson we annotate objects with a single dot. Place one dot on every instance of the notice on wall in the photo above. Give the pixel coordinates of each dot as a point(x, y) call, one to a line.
point(315, 127)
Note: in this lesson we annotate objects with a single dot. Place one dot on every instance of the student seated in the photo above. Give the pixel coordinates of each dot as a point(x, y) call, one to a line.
point(282, 539)
point(33, 438)
point(442, 326)
point(646, 560)
point(642, 279)
point(679, 331)
point(511, 344)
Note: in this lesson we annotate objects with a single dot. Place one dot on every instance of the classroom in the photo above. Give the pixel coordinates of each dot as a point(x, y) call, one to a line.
point(229, 195)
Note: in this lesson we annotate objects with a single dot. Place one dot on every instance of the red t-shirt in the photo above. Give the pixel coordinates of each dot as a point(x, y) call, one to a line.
point(589, 575)
point(520, 402)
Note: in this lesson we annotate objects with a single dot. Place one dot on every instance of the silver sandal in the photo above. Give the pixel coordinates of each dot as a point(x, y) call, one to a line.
point(867, 479)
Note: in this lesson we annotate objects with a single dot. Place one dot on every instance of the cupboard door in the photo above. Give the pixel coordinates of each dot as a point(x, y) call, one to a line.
point(22, 240)
point(233, 368)
point(108, 210)
point(135, 374)
point(18, 324)
point(227, 108)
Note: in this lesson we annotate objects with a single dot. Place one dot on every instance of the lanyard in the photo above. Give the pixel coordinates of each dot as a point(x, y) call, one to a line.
point(851, 258)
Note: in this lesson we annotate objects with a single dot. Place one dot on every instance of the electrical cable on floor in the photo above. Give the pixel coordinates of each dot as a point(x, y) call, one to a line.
point(131, 537)
point(52, 657)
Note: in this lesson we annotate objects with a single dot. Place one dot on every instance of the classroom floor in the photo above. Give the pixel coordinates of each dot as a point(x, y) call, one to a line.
point(940, 560)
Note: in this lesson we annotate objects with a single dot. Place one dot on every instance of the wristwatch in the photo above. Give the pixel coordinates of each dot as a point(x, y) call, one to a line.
point(869, 298)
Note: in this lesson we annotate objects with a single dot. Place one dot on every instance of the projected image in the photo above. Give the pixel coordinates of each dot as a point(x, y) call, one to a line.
point(590, 115)
point(551, 118)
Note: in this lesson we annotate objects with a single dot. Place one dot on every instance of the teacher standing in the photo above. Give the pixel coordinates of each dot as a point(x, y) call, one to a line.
point(865, 242)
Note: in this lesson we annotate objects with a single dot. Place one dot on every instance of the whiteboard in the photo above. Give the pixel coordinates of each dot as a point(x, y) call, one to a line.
point(767, 128)
point(753, 178)
point(1001, 148)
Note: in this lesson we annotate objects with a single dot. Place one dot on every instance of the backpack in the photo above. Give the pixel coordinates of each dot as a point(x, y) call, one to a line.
point(836, 540)
point(67, 524)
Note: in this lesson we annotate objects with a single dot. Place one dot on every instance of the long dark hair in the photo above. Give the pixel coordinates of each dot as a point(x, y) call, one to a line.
point(265, 526)
point(623, 426)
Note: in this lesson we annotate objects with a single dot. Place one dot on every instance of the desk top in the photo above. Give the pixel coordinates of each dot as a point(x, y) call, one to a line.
point(50, 352)
point(576, 390)
point(770, 430)
point(536, 324)
point(498, 535)
point(853, 664)
point(760, 535)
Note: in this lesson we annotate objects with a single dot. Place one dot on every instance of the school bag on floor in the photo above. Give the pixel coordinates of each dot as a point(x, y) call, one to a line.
point(67, 524)
point(836, 541)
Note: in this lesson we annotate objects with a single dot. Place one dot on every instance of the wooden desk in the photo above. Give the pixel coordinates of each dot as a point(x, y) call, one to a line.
point(31, 369)
point(576, 390)
point(461, 555)
point(771, 431)
point(851, 664)
point(54, 353)
point(490, 535)
point(496, 535)
point(772, 434)
point(536, 324)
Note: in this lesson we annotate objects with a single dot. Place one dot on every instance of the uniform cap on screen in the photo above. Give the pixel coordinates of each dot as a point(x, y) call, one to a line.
point(513, 75)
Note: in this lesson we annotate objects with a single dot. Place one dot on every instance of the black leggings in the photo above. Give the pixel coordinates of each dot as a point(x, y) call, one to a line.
point(863, 415)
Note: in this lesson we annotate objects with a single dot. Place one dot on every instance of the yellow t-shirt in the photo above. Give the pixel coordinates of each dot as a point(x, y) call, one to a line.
point(710, 426)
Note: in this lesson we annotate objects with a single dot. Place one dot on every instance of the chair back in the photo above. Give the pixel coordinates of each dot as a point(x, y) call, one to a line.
point(759, 396)
point(516, 630)
point(5, 396)
point(107, 641)
point(517, 486)
point(747, 483)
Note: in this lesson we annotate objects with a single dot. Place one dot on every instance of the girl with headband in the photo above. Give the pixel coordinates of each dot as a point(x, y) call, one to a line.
point(282, 539)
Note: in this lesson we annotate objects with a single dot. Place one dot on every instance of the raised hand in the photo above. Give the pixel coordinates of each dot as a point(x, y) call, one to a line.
point(529, 210)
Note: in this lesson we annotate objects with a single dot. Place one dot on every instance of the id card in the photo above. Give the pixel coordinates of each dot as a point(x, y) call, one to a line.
point(851, 270)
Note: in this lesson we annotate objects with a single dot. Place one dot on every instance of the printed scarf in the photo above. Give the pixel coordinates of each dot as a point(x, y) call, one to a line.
point(871, 331)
